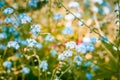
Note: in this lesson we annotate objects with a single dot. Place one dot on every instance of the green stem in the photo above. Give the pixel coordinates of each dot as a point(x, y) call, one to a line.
point(64, 72)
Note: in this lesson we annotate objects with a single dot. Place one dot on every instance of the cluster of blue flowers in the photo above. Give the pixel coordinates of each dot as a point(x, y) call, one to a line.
point(33, 43)
point(24, 18)
point(35, 29)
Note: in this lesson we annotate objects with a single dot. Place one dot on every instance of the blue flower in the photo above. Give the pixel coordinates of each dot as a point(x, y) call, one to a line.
point(61, 56)
point(12, 21)
point(95, 67)
point(33, 3)
point(2, 3)
point(87, 64)
point(9, 20)
point(13, 44)
point(53, 52)
point(31, 42)
point(49, 38)
point(67, 53)
point(67, 30)
point(43, 65)
point(85, 47)
point(8, 11)
point(24, 18)
point(38, 45)
point(78, 60)
point(25, 70)
point(81, 48)
point(7, 64)
point(35, 29)
point(93, 39)
point(70, 45)
point(89, 76)
point(58, 16)
point(2, 46)
point(23, 42)
point(3, 35)
point(18, 54)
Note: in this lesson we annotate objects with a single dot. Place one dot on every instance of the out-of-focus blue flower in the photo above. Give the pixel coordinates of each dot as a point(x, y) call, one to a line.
point(89, 47)
point(18, 54)
point(11, 29)
point(8, 11)
point(12, 21)
point(3, 35)
point(58, 16)
point(85, 47)
point(7, 64)
point(88, 64)
point(33, 3)
point(81, 48)
point(9, 20)
point(78, 60)
point(4, 28)
point(95, 67)
point(2, 46)
point(89, 76)
point(16, 34)
point(67, 53)
point(93, 39)
point(13, 44)
point(38, 45)
point(87, 3)
point(53, 52)
point(24, 18)
point(2, 3)
point(43, 65)
point(67, 30)
point(61, 56)
point(49, 38)
point(31, 42)
point(23, 42)
point(35, 29)
point(70, 45)
point(25, 70)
